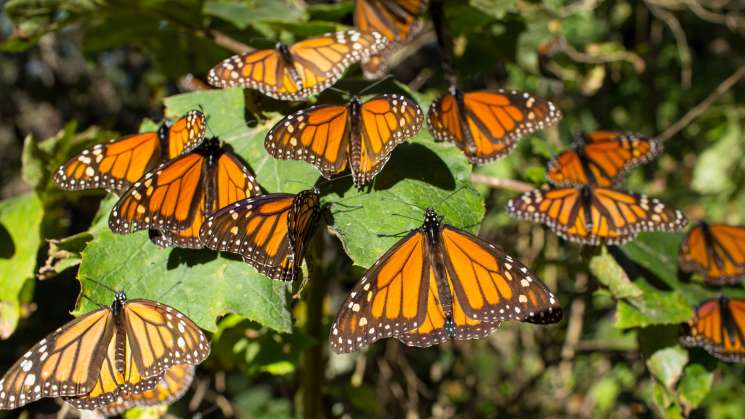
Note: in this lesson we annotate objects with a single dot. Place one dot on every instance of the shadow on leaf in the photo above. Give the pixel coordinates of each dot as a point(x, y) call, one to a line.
point(7, 247)
point(189, 257)
point(415, 161)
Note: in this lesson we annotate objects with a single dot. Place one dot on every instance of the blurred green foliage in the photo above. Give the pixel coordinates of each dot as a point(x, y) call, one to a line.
point(614, 65)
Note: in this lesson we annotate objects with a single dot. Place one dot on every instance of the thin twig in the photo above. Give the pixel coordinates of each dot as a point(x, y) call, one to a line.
point(574, 329)
point(694, 112)
point(601, 58)
point(686, 72)
point(228, 42)
point(509, 184)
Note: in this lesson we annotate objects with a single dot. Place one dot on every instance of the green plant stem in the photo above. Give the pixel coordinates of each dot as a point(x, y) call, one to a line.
point(313, 360)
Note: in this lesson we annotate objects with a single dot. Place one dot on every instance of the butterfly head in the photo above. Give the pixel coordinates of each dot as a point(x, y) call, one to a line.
point(119, 299)
point(431, 219)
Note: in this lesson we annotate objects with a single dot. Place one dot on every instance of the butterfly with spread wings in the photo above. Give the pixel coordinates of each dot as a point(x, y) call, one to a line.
point(440, 283)
point(394, 19)
point(298, 71)
point(176, 197)
point(485, 124)
point(359, 135)
point(269, 231)
point(594, 216)
point(171, 387)
point(718, 326)
point(601, 158)
point(92, 360)
point(716, 251)
point(117, 165)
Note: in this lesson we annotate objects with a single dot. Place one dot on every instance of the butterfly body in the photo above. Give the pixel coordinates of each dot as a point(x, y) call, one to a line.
point(176, 197)
point(594, 215)
point(359, 135)
point(601, 158)
point(92, 360)
point(486, 124)
point(118, 164)
point(436, 284)
point(270, 231)
point(300, 70)
point(716, 251)
point(718, 326)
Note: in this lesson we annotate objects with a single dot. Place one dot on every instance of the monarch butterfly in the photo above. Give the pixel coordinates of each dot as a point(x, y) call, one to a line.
point(176, 197)
point(362, 135)
point(114, 350)
point(123, 161)
point(594, 215)
point(298, 71)
point(394, 19)
point(440, 283)
point(171, 387)
point(487, 124)
point(716, 251)
point(601, 158)
point(269, 231)
point(718, 326)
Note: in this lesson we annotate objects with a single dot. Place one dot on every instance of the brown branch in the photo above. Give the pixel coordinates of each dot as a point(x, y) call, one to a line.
point(686, 72)
point(694, 112)
point(509, 184)
point(227, 42)
point(601, 58)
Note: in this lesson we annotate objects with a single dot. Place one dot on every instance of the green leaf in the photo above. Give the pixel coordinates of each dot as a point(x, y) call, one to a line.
point(666, 365)
point(244, 13)
point(20, 238)
point(652, 308)
point(494, 8)
point(695, 385)
point(714, 166)
point(199, 283)
point(609, 273)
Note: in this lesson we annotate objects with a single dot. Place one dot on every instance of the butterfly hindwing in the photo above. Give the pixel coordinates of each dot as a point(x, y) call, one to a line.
point(169, 388)
point(716, 251)
point(601, 158)
point(592, 215)
point(300, 70)
point(485, 124)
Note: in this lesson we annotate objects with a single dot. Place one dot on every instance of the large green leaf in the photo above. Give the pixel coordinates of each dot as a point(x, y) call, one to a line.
point(653, 307)
point(244, 13)
point(666, 365)
point(609, 273)
point(20, 238)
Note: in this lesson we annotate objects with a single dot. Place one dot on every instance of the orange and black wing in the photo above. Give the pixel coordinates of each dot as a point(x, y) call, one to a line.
point(388, 300)
point(316, 63)
point(171, 387)
point(394, 19)
point(716, 251)
point(319, 135)
point(385, 122)
point(486, 125)
point(65, 363)
point(229, 181)
point(165, 199)
point(116, 165)
point(718, 326)
point(602, 158)
point(596, 215)
point(269, 231)
point(186, 133)
point(159, 337)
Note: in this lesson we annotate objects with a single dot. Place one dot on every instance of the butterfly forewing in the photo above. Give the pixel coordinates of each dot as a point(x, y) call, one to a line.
point(488, 124)
point(718, 326)
point(65, 363)
point(269, 231)
point(117, 165)
point(602, 158)
point(317, 63)
point(385, 122)
point(716, 251)
point(386, 301)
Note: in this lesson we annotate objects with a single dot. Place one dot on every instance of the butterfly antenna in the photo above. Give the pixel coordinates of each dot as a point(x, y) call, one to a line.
point(406, 202)
point(450, 195)
point(327, 181)
point(375, 83)
point(92, 301)
point(102, 285)
point(340, 91)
